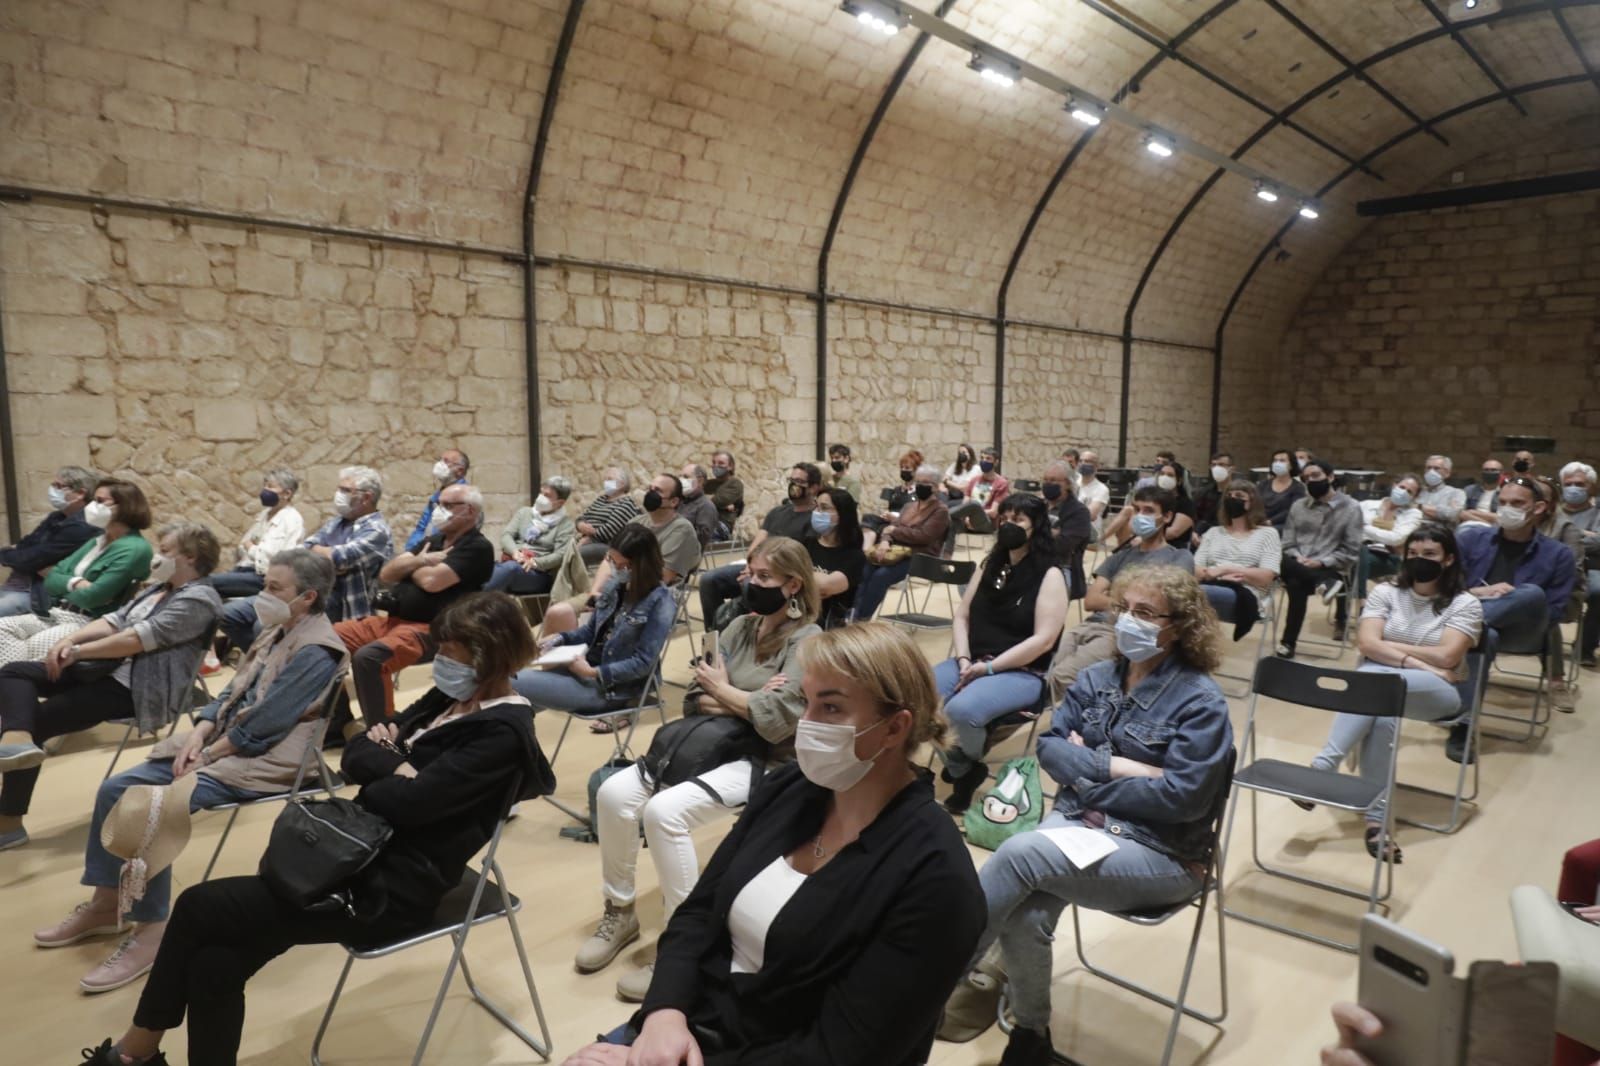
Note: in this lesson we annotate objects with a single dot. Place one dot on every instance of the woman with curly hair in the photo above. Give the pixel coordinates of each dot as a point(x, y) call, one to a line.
point(1139, 749)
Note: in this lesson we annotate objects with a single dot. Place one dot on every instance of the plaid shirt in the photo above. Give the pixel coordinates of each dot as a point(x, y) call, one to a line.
point(359, 552)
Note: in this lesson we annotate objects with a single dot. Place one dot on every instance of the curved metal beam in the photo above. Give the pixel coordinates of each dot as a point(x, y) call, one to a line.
point(1472, 54)
point(1577, 48)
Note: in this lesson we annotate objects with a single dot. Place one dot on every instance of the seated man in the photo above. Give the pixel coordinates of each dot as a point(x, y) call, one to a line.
point(62, 532)
point(1092, 492)
point(250, 741)
point(1071, 523)
point(449, 469)
point(1522, 576)
point(1209, 501)
point(356, 540)
point(1483, 499)
point(791, 518)
point(535, 542)
point(1440, 501)
point(605, 517)
point(455, 559)
point(985, 491)
point(1582, 513)
point(1094, 639)
point(698, 506)
point(839, 476)
point(1385, 524)
point(727, 492)
point(1321, 540)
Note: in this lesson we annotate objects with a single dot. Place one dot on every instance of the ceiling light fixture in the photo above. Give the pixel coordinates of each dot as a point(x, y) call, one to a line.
point(1266, 192)
point(1158, 146)
point(886, 20)
point(994, 71)
point(1309, 210)
point(1086, 112)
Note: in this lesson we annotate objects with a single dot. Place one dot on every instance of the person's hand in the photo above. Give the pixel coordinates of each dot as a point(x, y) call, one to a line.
point(581, 669)
point(887, 532)
point(1589, 914)
point(599, 1055)
point(1492, 592)
point(529, 563)
point(1313, 564)
point(188, 756)
point(433, 558)
point(405, 769)
point(1353, 1021)
point(62, 655)
point(970, 673)
point(586, 529)
point(1437, 671)
point(549, 644)
point(1230, 575)
point(322, 550)
point(665, 1041)
point(744, 574)
point(384, 733)
point(710, 676)
point(1075, 737)
point(775, 682)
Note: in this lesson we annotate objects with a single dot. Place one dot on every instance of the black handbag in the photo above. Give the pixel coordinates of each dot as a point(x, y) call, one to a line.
point(688, 747)
point(318, 847)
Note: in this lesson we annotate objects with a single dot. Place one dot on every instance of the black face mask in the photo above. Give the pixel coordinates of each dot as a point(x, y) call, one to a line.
point(1490, 477)
point(924, 492)
point(1011, 536)
point(1423, 570)
point(764, 599)
point(1234, 507)
point(907, 475)
point(838, 466)
point(269, 498)
point(1051, 490)
point(1318, 489)
point(652, 500)
point(1521, 466)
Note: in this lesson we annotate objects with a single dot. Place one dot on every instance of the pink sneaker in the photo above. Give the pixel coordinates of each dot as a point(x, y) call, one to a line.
point(131, 961)
point(85, 921)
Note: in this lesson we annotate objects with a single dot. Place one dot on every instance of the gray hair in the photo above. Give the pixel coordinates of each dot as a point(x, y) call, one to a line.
point(624, 479)
point(366, 479)
point(929, 470)
point(1578, 468)
point(312, 573)
point(1060, 466)
point(1445, 459)
point(696, 471)
point(473, 497)
point(284, 477)
point(78, 479)
point(562, 485)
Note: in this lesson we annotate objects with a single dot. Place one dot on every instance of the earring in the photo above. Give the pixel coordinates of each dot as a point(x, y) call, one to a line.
point(793, 610)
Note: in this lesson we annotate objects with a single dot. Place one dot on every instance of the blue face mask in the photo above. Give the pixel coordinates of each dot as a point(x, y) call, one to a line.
point(1399, 497)
point(1144, 526)
point(1137, 640)
point(1434, 478)
point(1575, 494)
point(822, 523)
point(456, 680)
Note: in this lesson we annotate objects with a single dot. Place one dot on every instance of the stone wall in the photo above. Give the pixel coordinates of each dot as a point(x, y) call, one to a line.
point(1062, 390)
point(1171, 405)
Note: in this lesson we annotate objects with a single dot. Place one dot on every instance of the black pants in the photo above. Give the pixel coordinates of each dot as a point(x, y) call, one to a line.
point(716, 588)
point(1299, 582)
point(85, 695)
point(220, 933)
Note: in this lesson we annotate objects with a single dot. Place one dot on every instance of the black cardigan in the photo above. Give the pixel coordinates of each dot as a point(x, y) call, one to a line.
point(860, 962)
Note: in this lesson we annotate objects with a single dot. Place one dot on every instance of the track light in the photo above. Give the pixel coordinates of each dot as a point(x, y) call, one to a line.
point(1308, 210)
point(886, 20)
point(993, 71)
point(1266, 192)
point(1157, 146)
point(1084, 111)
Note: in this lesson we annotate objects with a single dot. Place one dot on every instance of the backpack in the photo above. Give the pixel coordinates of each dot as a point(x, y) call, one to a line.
point(586, 833)
point(684, 749)
point(1014, 805)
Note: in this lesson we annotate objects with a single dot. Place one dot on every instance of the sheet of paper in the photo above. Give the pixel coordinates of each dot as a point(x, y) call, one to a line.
point(561, 656)
point(1081, 845)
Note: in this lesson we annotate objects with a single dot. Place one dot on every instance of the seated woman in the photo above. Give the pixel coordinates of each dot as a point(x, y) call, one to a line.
point(1139, 749)
point(754, 678)
point(1004, 631)
point(834, 918)
point(1420, 627)
point(1180, 533)
point(837, 555)
point(534, 542)
point(953, 483)
point(251, 740)
point(98, 577)
point(631, 620)
point(277, 528)
point(1282, 487)
point(899, 496)
point(440, 773)
point(1239, 557)
point(921, 528)
point(138, 662)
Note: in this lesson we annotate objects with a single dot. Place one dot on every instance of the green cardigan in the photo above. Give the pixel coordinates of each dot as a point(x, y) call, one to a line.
point(112, 576)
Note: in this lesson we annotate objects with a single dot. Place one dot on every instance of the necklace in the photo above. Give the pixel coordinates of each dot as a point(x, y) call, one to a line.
point(817, 851)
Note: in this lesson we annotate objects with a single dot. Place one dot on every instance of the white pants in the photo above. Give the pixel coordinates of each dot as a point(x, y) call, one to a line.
point(25, 638)
point(669, 817)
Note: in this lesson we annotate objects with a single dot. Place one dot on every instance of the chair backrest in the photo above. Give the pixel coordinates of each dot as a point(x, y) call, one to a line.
point(1024, 485)
point(942, 571)
point(886, 495)
point(1376, 695)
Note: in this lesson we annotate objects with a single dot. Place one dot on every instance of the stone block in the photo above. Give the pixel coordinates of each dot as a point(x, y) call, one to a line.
point(64, 414)
point(223, 420)
point(168, 263)
point(42, 336)
point(256, 271)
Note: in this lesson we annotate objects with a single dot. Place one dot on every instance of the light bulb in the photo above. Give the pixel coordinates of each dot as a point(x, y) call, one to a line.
point(1264, 192)
point(1088, 118)
point(1156, 146)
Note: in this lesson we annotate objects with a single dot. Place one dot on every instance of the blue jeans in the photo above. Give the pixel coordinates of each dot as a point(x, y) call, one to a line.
point(875, 583)
point(1028, 882)
point(14, 602)
point(509, 576)
point(558, 690)
point(233, 584)
point(1429, 698)
point(238, 622)
point(1519, 620)
point(972, 709)
point(101, 869)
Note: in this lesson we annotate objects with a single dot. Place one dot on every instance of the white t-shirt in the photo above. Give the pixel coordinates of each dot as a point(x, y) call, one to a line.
point(755, 908)
point(1411, 619)
point(1261, 548)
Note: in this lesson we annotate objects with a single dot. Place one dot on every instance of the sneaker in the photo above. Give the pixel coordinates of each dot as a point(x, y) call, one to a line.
point(1028, 1047)
point(1330, 592)
point(1563, 697)
point(1455, 747)
point(13, 839)
point(108, 1055)
point(618, 928)
point(84, 922)
point(1285, 651)
point(966, 786)
point(633, 986)
point(131, 961)
point(211, 665)
point(20, 757)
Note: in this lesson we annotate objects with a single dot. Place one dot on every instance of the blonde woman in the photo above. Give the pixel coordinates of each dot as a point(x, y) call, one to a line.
point(754, 677)
point(834, 919)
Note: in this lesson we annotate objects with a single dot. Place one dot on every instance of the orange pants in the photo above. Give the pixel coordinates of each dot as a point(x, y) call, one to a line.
point(381, 647)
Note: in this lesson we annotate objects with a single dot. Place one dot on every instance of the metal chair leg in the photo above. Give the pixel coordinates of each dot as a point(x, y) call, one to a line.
point(233, 816)
point(126, 736)
point(327, 1015)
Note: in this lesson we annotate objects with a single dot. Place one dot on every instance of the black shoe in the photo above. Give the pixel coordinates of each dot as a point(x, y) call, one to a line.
point(966, 785)
point(1028, 1047)
point(1338, 632)
point(1391, 849)
point(1455, 748)
point(107, 1055)
point(1285, 650)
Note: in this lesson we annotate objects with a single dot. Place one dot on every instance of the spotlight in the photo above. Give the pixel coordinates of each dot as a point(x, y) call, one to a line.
point(1158, 146)
point(1308, 210)
point(1266, 192)
point(993, 71)
point(1085, 112)
point(885, 20)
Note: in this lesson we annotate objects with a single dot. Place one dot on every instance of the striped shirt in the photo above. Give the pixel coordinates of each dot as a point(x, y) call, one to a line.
point(1411, 619)
point(608, 516)
point(1261, 549)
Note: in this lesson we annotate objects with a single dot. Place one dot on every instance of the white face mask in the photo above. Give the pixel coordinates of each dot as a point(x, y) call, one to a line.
point(542, 505)
point(1166, 481)
point(1280, 468)
point(610, 486)
point(341, 503)
point(441, 471)
point(1219, 474)
point(271, 610)
point(1512, 518)
point(826, 753)
point(98, 514)
point(162, 568)
point(58, 498)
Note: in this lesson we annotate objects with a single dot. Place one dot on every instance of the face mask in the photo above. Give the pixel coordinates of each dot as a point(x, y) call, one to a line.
point(1086, 470)
point(610, 486)
point(986, 466)
point(1490, 477)
point(271, 610)
point(1521, 466)
point(1051, 490)
point(1234, 507)
point(764, 599)
point(826, 753)
point(1280, 468)
point(341, 503)
point(1166, 481)
point(924, 492)
point(1137, 640)
point(687, 488)
point(822, 522)
point(1011, 536)
point(440, 519)
point(797, 492)
point(162, 568)
point(456, 680)
point(1318, 489)
point(542, 505)
point(441, 471)
point(719, 472)
point(58, 498)
point(907, 475)
point(1144, 526)
point(1399, 497)
point(1219, 474)
point(1433, 478)
point(269, 498)
point(1421, 570)
point(98, 514)
point(1575, 494)
point(1512, 518)
point(652, 500)
point(838, 466)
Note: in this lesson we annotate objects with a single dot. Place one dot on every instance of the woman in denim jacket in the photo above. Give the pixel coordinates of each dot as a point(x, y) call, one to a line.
point(631, 621)
point(1140, 748)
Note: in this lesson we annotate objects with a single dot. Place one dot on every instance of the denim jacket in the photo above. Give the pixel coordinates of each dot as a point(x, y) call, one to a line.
point(634, 641)
point(1176, 719)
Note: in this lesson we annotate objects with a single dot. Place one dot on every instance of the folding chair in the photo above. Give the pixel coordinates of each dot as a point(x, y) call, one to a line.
point(1375, 695)
point(1537, 719)
point(1022, 484)
point(473, 902)
point(935, 571)
point(1006, 726)
point(1347, 578)
point(200, 695)
point(1266, 638)
point(1460, 799)
point(311, 757)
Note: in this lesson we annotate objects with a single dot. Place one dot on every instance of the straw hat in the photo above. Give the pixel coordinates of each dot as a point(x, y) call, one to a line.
point(149, 826)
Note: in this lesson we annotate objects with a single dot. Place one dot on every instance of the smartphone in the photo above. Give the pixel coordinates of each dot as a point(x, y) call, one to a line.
point(708, 649)
point(1511, 1013)
point(1407, 982)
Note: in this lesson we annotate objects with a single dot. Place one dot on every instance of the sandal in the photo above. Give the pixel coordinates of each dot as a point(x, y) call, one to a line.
point(603, 725)
point(1392, 850)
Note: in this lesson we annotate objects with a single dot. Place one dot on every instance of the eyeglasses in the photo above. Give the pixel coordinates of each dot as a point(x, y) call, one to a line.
point(1143, 614)
point(802, 482)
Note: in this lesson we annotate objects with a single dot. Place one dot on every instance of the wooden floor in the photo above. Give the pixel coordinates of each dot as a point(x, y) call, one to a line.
point(1453, 889)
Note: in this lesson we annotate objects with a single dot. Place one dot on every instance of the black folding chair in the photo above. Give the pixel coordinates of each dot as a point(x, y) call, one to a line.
point(935, 571)
point(1532, 724)
point(1462, 802)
